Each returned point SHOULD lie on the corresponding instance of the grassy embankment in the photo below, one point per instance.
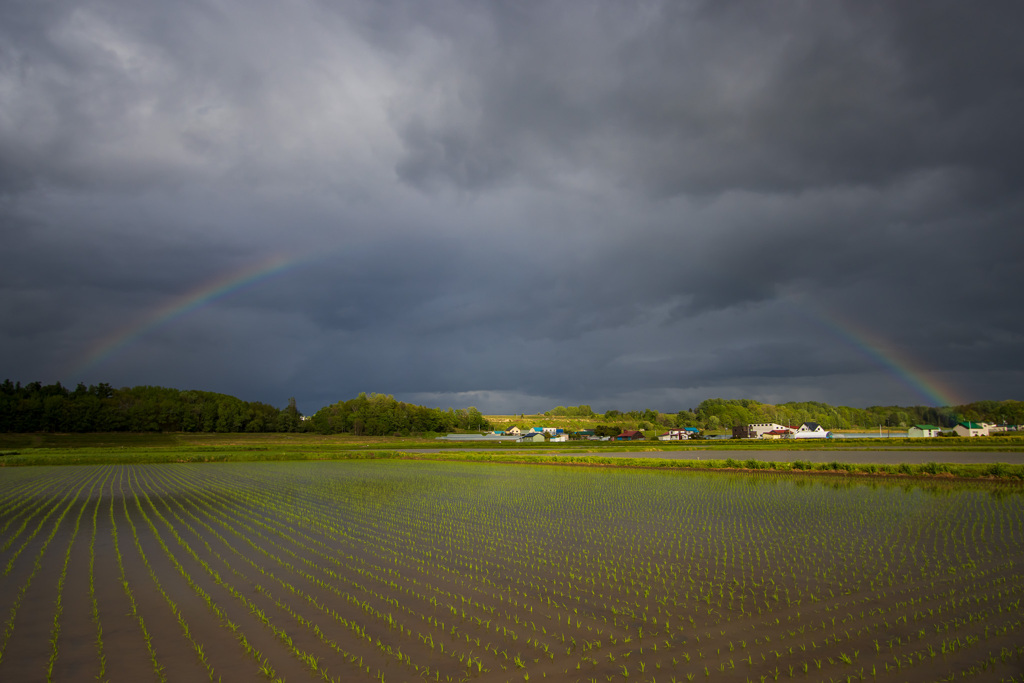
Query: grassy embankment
(76, 449)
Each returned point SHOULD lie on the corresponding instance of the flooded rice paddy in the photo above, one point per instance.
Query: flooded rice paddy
(409, 571)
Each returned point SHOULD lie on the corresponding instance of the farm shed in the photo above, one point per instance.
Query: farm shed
(970, 429)
(630, 435)
(922, 431)
(532, 436)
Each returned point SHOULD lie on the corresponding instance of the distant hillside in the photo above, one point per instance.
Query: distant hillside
(717, 413)
(722, 413)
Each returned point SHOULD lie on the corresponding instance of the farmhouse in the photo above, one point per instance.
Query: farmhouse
(922, 431)
(756, 431)
(532, 436)
(993, 428)
(630, 435)
(810, 430)
(970, 429)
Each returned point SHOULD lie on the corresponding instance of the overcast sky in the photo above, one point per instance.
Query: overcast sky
(515, 205)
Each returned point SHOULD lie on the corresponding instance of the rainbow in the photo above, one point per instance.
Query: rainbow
(888, 358)
(179, 306)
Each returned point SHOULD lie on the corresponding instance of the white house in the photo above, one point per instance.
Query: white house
(810, 430)
(514, 431)
(674, 435)
(970, 429)
(922, 431)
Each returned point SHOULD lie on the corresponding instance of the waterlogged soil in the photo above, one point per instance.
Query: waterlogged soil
(874, 456)
(404, 570)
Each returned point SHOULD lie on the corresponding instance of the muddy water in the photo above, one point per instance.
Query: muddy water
(403, 570)
(878, 457)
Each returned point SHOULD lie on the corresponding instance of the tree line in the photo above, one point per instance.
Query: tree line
(718, 413)
(382, 415)
(101, 408)
(723, 414)
(36, 407)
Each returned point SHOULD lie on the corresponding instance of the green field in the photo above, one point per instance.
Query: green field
(397, 570)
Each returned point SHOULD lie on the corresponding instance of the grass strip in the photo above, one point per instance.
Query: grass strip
(977, 471)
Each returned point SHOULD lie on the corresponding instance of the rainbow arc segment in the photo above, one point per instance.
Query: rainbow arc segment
(181, 305)
(895, 363)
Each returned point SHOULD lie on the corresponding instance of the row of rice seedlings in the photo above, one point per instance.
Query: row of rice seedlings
(263, 665)
(281, 634)
(26, 498)
(349, 657)
(303, 621)
(182, 623)
(56, 505)
(94, 602)
(993, 660)
(511, 600)
(883, 614)
(463, 615)
(59, 601)
(364, 570)
(464, 659)
(158, 668)
(924, 609)
(38, 564)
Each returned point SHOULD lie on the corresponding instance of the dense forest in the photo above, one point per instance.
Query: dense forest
(380, 415)
(101, 408)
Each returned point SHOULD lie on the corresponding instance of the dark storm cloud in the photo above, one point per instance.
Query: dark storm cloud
(679, 98)
(514, 205)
